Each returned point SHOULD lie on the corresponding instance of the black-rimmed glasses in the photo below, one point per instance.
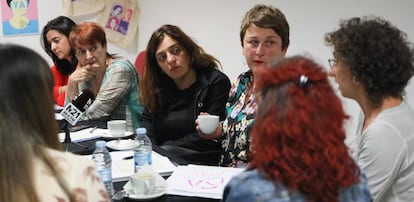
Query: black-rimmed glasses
(332, 62)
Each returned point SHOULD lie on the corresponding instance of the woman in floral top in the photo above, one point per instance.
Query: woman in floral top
(241, 108)
(264, 37)
(33, 165)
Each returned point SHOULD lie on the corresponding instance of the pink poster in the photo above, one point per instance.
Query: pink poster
(19, 17)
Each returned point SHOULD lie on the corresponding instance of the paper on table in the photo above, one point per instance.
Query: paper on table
(200, 181)
(122, 168)
(82, 135)
(58, 116)
(162, 165)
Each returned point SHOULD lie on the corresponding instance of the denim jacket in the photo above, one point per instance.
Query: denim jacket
(252, 186)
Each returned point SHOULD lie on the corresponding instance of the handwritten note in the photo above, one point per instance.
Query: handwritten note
(201, 181)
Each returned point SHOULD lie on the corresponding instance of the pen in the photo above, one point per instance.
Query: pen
(93, 129)
(128, 157)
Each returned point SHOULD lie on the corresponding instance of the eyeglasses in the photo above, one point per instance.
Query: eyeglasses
(332, 62)
(82, 52)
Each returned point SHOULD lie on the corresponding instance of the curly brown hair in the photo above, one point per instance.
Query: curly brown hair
(377, 53)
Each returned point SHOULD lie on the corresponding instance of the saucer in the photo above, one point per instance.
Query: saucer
(159, 190)
(122, 144)
(107, 135)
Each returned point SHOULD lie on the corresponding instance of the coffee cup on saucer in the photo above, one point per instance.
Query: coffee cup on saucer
(143, 181)
(116, 128)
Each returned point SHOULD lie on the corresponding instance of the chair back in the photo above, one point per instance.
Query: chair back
(140, 62)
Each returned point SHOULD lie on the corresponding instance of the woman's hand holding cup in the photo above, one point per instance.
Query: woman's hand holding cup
(208, 126)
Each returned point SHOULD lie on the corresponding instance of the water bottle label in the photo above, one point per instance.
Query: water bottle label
(105, 174)
(141, 159)
(149, 159)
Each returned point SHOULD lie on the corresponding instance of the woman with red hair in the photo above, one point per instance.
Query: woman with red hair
(297, 141)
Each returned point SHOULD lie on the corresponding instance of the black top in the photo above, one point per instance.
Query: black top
(175, 125)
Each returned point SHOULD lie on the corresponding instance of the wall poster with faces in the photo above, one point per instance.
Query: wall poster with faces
(120, 21)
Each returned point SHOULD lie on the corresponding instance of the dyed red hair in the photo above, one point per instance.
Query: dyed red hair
(87, 34)
(298, 136)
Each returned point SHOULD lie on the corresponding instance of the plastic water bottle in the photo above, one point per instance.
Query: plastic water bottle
(103, 162)
(142, 153)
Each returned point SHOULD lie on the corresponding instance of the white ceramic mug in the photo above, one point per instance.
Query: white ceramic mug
(116, 128)
(143, 183)
(208, 123)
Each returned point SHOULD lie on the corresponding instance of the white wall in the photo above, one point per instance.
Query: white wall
(214, 24)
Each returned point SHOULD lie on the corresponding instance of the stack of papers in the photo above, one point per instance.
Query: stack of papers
(123, 165)
(200, 181)
(82, 135)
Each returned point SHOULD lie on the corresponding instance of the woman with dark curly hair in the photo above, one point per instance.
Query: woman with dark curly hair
(373, 62)
(297, 142)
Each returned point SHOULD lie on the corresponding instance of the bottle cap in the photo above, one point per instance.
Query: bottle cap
(100, 143)
(141, 131)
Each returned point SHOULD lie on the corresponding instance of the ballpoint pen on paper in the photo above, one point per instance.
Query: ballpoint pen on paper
(128, 157)
(93, 129)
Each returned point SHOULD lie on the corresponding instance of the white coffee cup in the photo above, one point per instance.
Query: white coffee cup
(143, 183)
(116, 128)
(208, 123)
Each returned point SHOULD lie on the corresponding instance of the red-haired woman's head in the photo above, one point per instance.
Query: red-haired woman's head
(87, 34)
(89, 42)
(298, 136)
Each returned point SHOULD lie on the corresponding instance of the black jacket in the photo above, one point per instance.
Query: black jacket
(175, 126)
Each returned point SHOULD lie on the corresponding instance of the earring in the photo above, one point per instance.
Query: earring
(354, 80)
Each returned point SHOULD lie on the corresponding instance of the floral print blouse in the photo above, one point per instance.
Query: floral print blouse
(241, 108)
(79, 174)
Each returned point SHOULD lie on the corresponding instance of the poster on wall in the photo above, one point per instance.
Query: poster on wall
(19, 17)
(120, 21)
